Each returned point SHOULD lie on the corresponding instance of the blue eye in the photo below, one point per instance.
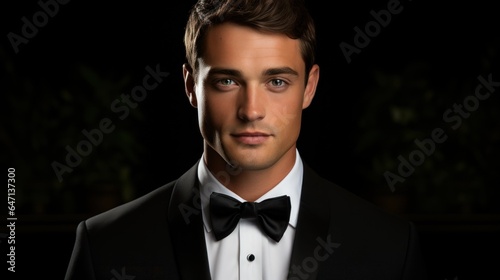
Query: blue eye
(277, 82)
(226, 82)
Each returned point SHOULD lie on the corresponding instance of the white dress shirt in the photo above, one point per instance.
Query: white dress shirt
(248, 253)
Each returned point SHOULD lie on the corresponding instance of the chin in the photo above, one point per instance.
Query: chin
(247, 163)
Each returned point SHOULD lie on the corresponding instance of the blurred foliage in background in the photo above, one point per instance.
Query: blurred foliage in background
(461, 174)
(48, 115)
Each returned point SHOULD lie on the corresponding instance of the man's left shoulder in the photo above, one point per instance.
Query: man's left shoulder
(344, 204)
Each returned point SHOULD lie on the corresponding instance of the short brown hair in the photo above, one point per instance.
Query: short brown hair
(289, 17)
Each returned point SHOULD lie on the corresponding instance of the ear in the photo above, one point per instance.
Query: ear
(189, 84)
(312, 83)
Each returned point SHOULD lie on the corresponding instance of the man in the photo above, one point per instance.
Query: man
(250, 72)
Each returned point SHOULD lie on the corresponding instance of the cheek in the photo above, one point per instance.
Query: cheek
(213, 113)
(287, 116)
(217, 110)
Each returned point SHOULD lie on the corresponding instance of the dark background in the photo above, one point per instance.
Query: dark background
(365, 115)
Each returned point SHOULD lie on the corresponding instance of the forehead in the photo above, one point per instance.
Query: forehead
(234, 46)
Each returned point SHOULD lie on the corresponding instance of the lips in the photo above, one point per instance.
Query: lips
(251, 138)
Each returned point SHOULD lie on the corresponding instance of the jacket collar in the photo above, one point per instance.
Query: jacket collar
(186, 227)
(312, 227)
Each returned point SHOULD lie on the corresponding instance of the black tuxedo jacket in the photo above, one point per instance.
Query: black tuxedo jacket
(161, 236)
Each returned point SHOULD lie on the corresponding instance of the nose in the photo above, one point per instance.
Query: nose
(251, 105)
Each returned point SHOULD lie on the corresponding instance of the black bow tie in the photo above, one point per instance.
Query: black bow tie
(273, 214)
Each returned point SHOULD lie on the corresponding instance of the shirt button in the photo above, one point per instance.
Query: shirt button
(251, 258)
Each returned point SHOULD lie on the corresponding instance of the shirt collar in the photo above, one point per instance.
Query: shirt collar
(291, 185)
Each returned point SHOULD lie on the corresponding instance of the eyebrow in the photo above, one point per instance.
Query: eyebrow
(267, 72)
(280, 70)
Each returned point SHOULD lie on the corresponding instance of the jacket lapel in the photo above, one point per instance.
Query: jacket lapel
(312, 227)
(186, 227)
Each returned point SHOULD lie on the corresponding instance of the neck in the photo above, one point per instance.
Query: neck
(249, 184)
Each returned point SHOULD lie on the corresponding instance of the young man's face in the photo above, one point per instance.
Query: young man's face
(250, 92)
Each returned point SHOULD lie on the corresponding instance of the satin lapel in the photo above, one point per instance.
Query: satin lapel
(186, 227)
(312, 227)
